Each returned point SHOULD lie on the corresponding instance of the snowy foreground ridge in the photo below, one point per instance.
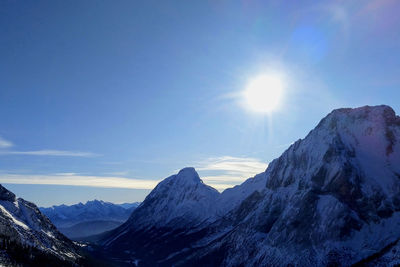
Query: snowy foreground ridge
(332, 198)
(27, 234)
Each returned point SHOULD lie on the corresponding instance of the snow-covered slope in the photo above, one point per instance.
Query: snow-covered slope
(232, 197)
(23, 225)
(178, 201)
(177, 204)
(331, 198)
(182, 198)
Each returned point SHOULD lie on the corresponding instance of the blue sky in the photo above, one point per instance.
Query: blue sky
(102, 99)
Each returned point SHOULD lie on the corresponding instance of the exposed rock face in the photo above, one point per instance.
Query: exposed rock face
(23, 224)
(330, 199)
(6, 195)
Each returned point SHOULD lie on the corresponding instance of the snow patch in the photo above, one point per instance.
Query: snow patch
(17, 222)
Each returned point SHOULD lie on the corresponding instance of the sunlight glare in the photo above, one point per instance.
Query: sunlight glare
(264, 93)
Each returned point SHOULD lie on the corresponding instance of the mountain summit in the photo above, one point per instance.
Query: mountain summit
(178, 201)
(332, 198)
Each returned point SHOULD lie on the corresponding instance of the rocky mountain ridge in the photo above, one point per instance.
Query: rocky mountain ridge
(330, 199)
(24, 228)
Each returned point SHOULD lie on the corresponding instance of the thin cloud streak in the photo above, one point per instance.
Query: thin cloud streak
(4, 143)
(230, 171)
(78, 180)
(69, 179)
(57, 153)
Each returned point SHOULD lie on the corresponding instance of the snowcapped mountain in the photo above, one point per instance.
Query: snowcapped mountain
(178, 203)
(26, 236)
(181, 198)
(94, 217)
(332, 198)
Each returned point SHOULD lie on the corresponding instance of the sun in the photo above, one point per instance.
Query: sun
(263, 93)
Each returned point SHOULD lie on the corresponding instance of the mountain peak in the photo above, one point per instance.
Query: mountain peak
(188, 170)
(372, 130)
(379, 115)
(360, 140)
(181, 199)
(187, 179)
(188, 174)
(366, 109)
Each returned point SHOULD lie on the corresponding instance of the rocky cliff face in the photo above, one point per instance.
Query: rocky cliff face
(24, 226)
(331, 198)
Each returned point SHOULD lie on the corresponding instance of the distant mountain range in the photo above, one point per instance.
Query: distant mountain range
(81, 220)
(331, 199)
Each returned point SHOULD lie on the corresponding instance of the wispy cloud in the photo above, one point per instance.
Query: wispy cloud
(57, 153)
(227, 171)
(4, 143)
(72, 179)
(5, 150)
(221, 173)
